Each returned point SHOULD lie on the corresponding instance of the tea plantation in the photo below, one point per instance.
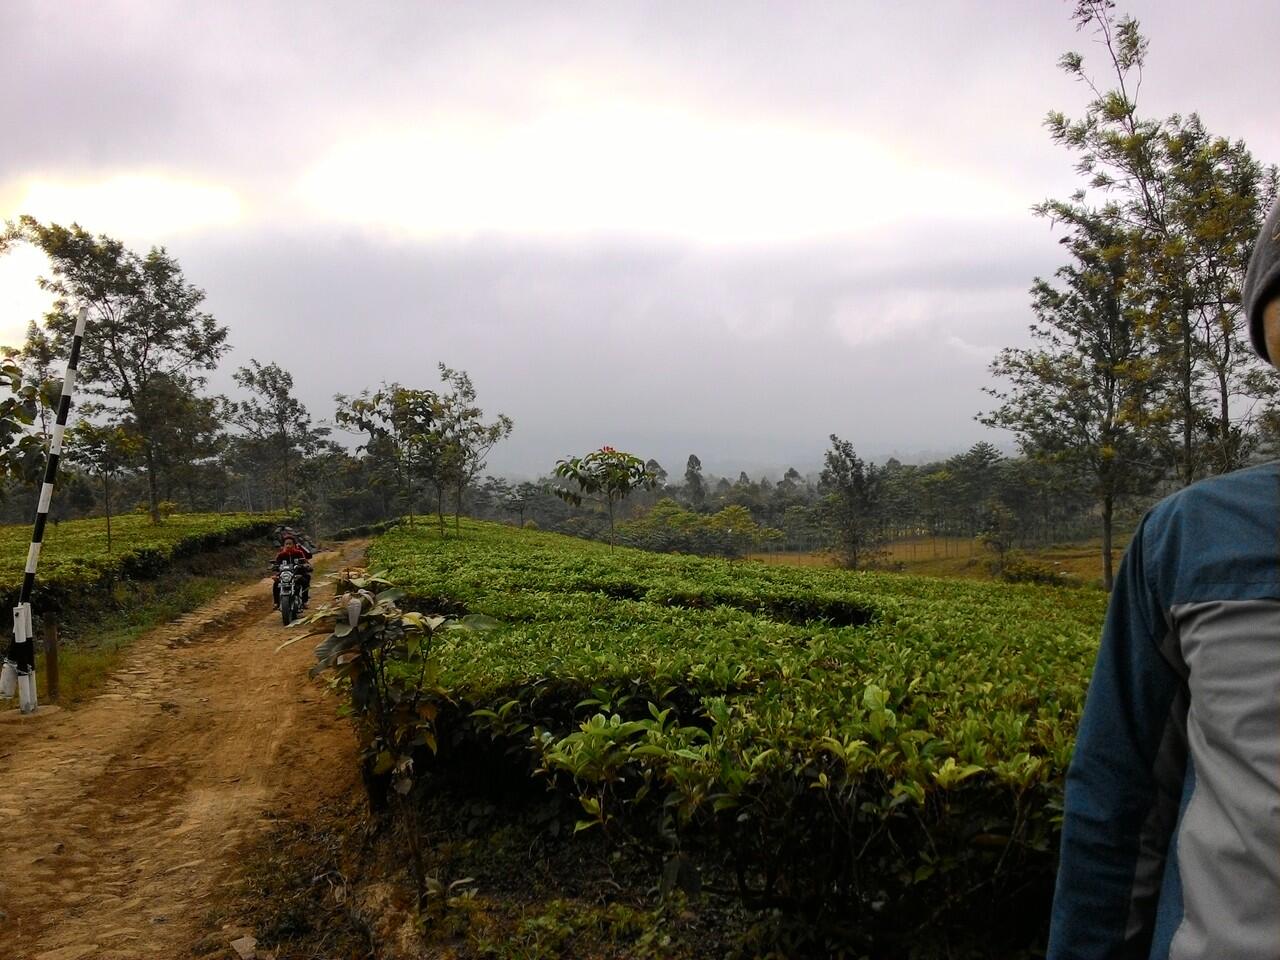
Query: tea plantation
(75, 563)
(878, 758)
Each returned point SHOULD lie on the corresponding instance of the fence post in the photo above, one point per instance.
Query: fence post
(51, 657)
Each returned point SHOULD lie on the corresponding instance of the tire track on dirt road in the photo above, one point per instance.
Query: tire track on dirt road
(121, 819)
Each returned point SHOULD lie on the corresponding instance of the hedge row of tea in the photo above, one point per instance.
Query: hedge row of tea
(76, 568)
(878, 754)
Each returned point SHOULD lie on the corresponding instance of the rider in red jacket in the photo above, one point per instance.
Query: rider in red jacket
(290, 550)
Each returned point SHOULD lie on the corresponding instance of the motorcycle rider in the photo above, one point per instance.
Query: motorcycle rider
(300, 539)
(292, 550)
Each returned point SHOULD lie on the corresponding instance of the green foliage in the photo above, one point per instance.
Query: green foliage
(102, 450)
(669, 528)
(146, 343)
(465, 437)
(401, 424)
(1085, 394)
(75, 561)
(1019, 568)
(364, 530)
(606, 476)
(695, 488)
(1185, 206)
(385, 665)
(21, 450)
(278, 433)
(423, 438)
(854, 493)
(880, 754)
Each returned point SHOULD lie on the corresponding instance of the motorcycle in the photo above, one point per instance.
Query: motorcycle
(291, 580)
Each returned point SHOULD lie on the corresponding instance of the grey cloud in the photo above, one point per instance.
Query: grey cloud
(254, 90)
(650, 348)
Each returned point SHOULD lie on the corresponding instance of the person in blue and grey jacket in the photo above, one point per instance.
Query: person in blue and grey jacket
(1171, 830)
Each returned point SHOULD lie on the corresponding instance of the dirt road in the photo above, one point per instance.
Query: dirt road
(120, 820)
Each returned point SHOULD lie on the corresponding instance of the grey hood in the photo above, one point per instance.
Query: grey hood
(1263, 279)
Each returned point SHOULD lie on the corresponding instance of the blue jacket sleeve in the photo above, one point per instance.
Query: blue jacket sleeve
(1124, 781)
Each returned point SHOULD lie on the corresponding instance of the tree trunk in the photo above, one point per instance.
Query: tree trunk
(1188, 402)
(1108, 507)
(409, 823)
(153, 484)
(285, 478)
(440, 507)
(106, 500)
(1227, 462)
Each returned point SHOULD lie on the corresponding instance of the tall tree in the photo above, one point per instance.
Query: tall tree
(187, 439)
(523, 496)
(276, 420)
(463, 441)
(39, 360)
(103, 450)
(605, 476)
(695, 488)
(146, 331)
(655, 468)
(1219, 196)
(399, 422)
(853, 497)
(1085, 395)
(340, 490)
(1189, 205)
(973, 475)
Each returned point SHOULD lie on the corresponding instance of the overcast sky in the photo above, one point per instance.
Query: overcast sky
(722, 228)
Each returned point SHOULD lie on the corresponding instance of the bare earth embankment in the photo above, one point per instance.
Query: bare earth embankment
(121, 820)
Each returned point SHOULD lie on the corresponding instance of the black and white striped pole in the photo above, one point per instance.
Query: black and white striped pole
(19, 670)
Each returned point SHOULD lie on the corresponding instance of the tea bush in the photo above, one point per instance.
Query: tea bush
(364, 530)
(76, 570)
(1019, 568)
(876, 757)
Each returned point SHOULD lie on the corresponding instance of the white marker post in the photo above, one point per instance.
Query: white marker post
(19, 670)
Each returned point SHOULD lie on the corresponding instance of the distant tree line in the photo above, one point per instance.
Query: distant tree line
(850, 506)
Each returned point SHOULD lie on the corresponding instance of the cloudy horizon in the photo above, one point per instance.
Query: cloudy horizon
(725, 230)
